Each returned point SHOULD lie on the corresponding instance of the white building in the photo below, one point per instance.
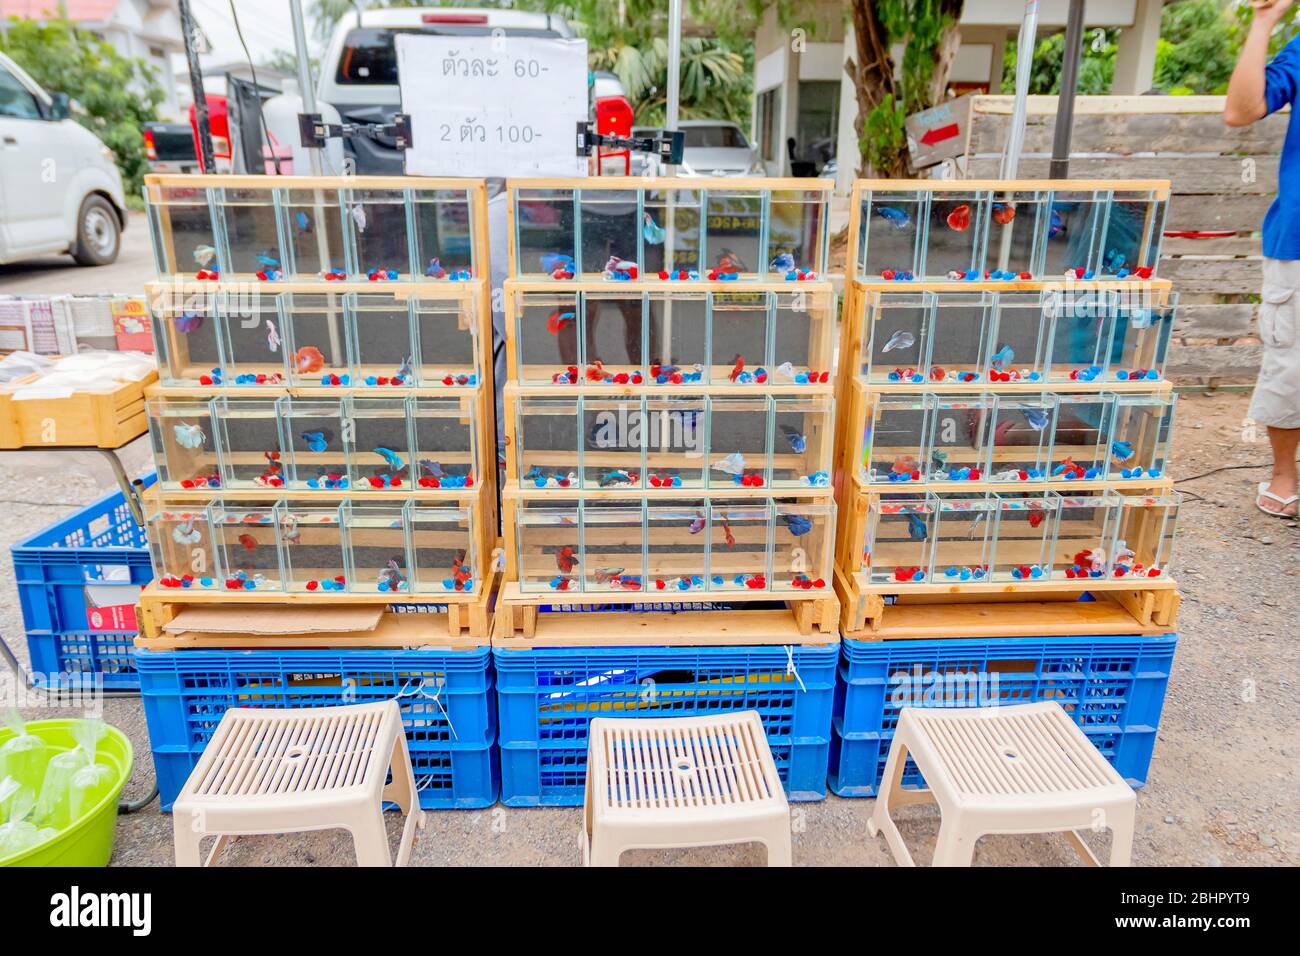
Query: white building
(149, 30)
(801, 90)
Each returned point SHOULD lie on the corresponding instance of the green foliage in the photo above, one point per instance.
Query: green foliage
(116, 94)
(1096, 66)
(715, 82)
(918, 25)
(884, 137)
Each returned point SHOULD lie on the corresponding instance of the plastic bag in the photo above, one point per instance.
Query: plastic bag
(55, 806)
(23, 755)
(19, 834)
(94, 780)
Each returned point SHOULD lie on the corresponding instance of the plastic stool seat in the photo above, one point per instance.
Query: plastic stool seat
(1027, 768)
(682, 782)
(294, 770)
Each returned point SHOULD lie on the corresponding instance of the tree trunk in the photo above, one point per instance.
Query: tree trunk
(871, 69)
(944, 56)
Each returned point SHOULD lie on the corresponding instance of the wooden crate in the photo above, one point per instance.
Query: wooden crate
(107, 417)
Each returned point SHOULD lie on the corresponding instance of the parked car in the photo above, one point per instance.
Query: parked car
(60, 190)
(359, 69)
(712, 148)
(169, 147)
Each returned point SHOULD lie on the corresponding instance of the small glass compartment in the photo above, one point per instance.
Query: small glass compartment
(250, 443)
(675, 440)
(253, 341)
(442, 543)
(317, 349)
(963, 537)
(613, 547)
(545, 232)
(608, 223)
(251, 232)
(1074, 228)
(442, 225)
(1144, 536)
(677, 547)
(1018, 350)
(677, 327)
(183, 226)
(960, 340)
(1081, 439)
(893, 237)
(614, 337)
(247, 537)
(734, 231)
(1130, 240)
(1022, 536)
(382, 343)
(740, 545)
(613, 443)
(380, 454)
(547, 446)
(1017, 236)
(187, 335)
(378, 557)
(313, 539)
(802, 334)
(740, 450)
(445, 452)
(900, 531)
(447, 330)
(739, 338)
(184, 439)
(548, 339)
(315, 434)
(803, 535)
(796, 232)
(961, 438)
(1139, 436)
(803, 441)
(672, 231)
(1022, 437)
(315, 240)
(1143, 327)
(548, 546)
(1082, 539)
(379, 240)
(182, 544)
(958, 226)
(1083, 329)
(897, 336)
(896, 439)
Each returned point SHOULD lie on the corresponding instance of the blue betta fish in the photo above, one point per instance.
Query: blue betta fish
(270, 262)
(392, 458)
(1002, 357)
(1121, 451)
(799, 525)
(916, 527)
(652, 231)
(798, 443)
(782, 263)
(556, 261)
(1037, 418)
(302, 221)
(894, 216)
(1055, 225)
(318, 440)
(697, 523)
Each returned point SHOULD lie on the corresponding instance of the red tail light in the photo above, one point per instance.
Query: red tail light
(614, 116)
(150, 148)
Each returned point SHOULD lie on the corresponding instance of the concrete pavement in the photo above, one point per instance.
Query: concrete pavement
(55, 275)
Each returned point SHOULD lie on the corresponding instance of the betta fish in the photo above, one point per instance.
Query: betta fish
(205, 255)
(652, 231)
(901, 339)
(556, 262)
(1002, 357)
(302, 221)
(1037, 418)
(904, 464)
(565, 559)
(292, 533)
(785, 370)
(531, 474)
(733, 464)
(798, 443)
(558, 320)
(404, 369)
(726, 533)
(1115, 261)
(782, 263)
(737, 368)
(308, 359)
(432, 469)
(1003, 213)
(359, 217)
(318, 440)
(1055, 225)
(188, 322)
(248, 541)
(434, 269)
(728, 261)
(1121, 451)
(894, 216)
(272, 336)
(799, 525)
(615, 477)
(959, 218)
(186, 533)
(939, 460)
(266, 261)
(606, 575)
(615, 264)
(697, 523)
(916, 529)
(391, 458)
(1036, 518)
(189, 436)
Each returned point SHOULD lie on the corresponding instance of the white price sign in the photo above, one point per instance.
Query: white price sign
(493, 105)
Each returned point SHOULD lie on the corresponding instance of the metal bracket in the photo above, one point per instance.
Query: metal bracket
(313, 131)
(666, 146)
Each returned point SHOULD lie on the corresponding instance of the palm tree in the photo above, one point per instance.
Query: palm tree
(714, 81)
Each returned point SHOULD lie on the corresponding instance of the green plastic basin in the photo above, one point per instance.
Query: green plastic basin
(89, 840)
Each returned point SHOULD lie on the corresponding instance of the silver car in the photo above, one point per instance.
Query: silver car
(714, 148)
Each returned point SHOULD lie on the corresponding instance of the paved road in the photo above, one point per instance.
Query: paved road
(52, 275)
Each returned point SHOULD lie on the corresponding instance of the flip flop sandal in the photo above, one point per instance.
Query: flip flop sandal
(1277, 499)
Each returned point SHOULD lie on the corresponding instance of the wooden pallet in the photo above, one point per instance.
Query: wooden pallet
(875, 612)
(466, 620)
(520, 624)
(107, 417)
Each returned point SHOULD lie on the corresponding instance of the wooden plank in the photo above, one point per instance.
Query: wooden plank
(1045, 104)
(1232, 246)
(1214, 175)
(674, 183)
(1230, 321)
(1213, 361)
(663, 629)
(1125, 134)
(1219, 276)
(1238, 213)
(393, 630)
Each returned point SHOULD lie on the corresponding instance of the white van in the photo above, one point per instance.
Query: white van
(60, 190)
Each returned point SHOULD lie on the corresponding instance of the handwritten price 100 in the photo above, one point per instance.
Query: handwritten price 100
(479, 133)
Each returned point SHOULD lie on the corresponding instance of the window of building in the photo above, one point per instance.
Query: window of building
(768, 107)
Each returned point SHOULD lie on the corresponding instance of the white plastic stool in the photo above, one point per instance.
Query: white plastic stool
(1021, 769)
(682, 782)
(290, 771)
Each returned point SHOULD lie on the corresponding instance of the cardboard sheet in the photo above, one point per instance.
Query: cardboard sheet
(296, 619)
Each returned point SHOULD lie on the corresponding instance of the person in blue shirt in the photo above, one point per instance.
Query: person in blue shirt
(1258, 88)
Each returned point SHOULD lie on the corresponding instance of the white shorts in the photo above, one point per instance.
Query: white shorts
(1276, 402)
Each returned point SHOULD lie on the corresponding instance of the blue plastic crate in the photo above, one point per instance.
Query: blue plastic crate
(100, 545)
(547, 697)
(447, 701)
(1113, 687)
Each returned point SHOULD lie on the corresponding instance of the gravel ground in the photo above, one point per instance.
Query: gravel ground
(1221, 790)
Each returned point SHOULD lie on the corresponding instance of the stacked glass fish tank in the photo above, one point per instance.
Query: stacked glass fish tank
(670, 406)
(324, 418)
(1010, 416)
